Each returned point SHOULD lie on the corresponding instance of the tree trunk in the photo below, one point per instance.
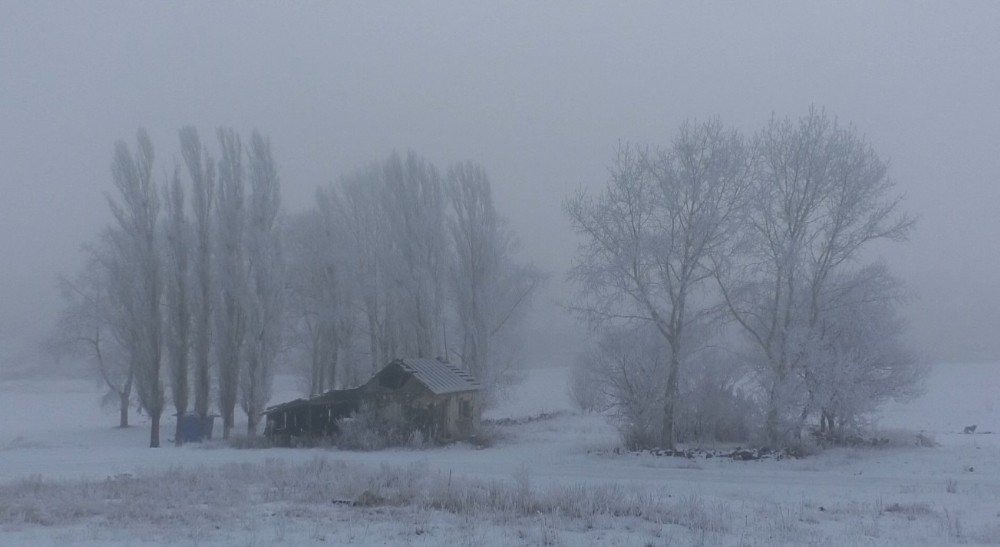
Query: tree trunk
(250, 394)
(771, 420)
(202, 374)
(154, 431)
(178, 440)
(771, 425)
(123, 402)
(316, 380)
(227, 422)
(202, 386)
(803, 418)
(377, 357)
(668, 436)
(330, 375)
(826, 422)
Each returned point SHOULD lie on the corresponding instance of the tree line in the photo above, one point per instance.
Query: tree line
(203, 297)
(728, 276)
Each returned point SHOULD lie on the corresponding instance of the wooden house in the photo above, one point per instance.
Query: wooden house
(436, 397)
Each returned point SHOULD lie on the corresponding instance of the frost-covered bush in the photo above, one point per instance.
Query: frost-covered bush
(488, 434)
(626, 374)
(717, 402)
(866, 361)
(377, 427)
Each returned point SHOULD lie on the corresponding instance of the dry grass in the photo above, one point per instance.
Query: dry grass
(214, 496)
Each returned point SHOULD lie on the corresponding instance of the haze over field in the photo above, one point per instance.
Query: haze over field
(901, 495)
(441, 273)
(539, 94)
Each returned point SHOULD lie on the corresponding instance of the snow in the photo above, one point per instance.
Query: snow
(958, 395)
(56, 433)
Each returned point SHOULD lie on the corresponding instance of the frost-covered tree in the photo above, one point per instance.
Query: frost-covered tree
(821, 195)
(136, 211)
(394, 218)
(415, 252)
(491, 290)
(629, 365)
(201, 171)
(860, 359)
(265, 279)
(623, 371)
(650, 239)
(230, 309)
(178, 251)
(92, 324)
(321, 285)
(374, 264)
(366, 227)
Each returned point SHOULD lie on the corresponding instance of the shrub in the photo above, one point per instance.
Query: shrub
(639, 435)
(488, 434)
(910, 510)
(802, 448)
(714, 404)
(375, 428)
(626, 373)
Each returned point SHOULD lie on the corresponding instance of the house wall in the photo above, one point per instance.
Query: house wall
(439, 416)
(443, 418)
(465, 415)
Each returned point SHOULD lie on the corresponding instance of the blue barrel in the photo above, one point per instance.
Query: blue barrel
(193, 429)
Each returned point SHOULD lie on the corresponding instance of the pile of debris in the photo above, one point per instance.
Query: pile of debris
(504, 422)
(737, 454)
(829, 438)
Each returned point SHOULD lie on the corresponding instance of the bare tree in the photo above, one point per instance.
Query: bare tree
(491, 291)
(322, 289)
(178, 239)
(821, 195)
(373, 260)
(231, 276)
(650, 237)
(366, 227)
(394, 216)
(265, 275)
(91, 325)
(136, 213)
(310, 300)
(414, 208)
(628, 364)
(201, 170)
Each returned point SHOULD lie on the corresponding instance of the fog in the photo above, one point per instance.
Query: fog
(538, 93)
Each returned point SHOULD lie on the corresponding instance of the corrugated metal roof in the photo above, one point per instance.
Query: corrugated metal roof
(343, 396)
(439, 377)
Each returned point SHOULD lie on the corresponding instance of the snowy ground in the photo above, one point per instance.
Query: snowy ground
(66, 476)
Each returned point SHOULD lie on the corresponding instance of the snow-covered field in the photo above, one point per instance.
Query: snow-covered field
(68, 476)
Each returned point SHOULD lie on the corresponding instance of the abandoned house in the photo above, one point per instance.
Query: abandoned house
(434, 396)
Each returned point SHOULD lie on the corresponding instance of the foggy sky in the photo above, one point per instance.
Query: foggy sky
(538, 93)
